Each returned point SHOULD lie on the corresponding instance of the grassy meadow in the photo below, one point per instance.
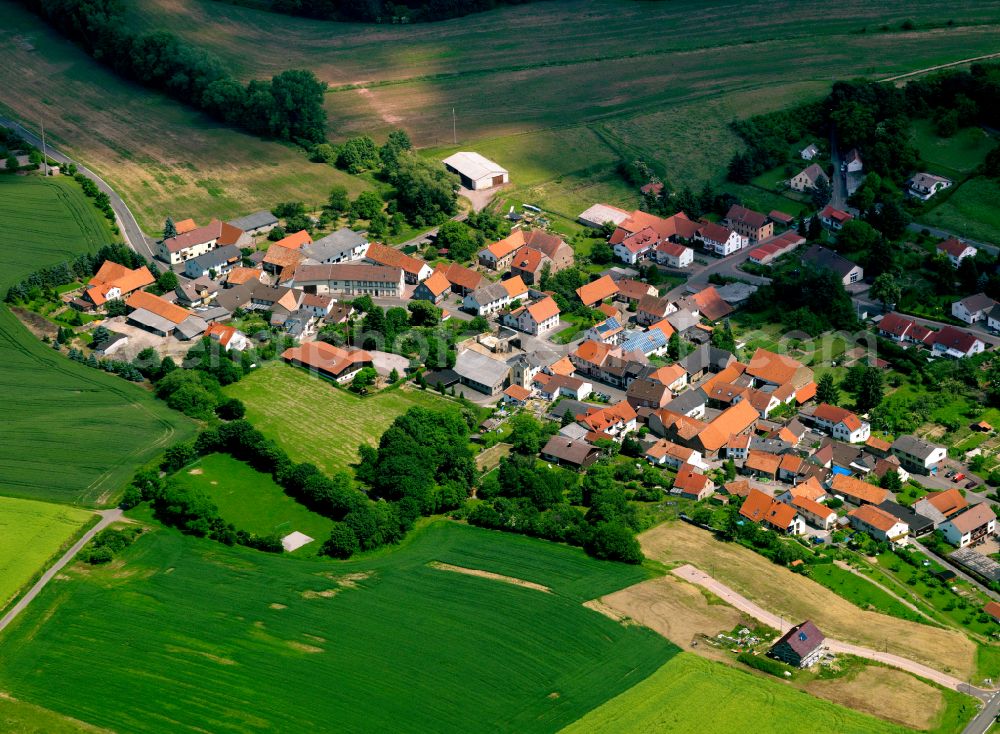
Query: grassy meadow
(956, 156)
(689, 695)
(252, 501)
(317, 422)
(26, 718)
(231, 640)
(971, 211)
(30, 534)
(70, 433)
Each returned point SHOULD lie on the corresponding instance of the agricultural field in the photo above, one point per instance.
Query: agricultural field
(252, 501)
(689, 695)
(317, 422)
(164, 159)
(26, 718)
(279, 643)
(970, 211)
(70, 433)
(30, 534)
(795, 597)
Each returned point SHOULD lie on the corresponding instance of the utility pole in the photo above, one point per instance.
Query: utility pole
(454, 128)
(45, 161)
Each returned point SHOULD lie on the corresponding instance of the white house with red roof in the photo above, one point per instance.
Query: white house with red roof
(833, 218)
(673, 254)
(720, 240)
(537, 318)
(228, 337)
(956, 343)
(956, 250)
(637, 246)
(841, 423)
(900, 328)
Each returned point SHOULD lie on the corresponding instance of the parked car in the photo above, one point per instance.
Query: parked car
(950, 474)
(958, 477)
(971, 485)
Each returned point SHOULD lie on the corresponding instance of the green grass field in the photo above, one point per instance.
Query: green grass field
(252, 501)
(690, 695)
(31, 533)
(860, 592)
(26, 718)
(230, 640)
(954, 156)
(314, 421)
(970, 212)
(70, 433)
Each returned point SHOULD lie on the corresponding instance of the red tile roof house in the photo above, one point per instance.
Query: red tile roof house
(759, 507)
(113, 281)
(748, 223)
(720, 240)
(329, 361)
(637, 248)
(833, 218)
(801, 646)
(878, 523)
(956, 343)
(841, 423)
(633, 291)
(673, 254)
(692, 484)
(956, 250)
(902, 329)
(192, 243)
(596, 291)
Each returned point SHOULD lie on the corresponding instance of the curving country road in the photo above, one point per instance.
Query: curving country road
(107, 517)
(127, 223)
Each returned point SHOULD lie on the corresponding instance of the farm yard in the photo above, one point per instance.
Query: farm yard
(30, 534)
(280, 643)
(54, 407)
(560, 117)
(252, 501)
(317, 422)
(729, 701)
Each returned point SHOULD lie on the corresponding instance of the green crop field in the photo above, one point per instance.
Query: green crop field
(70, 433)
(317, 422)
(252, 501)
(689, 695)
(31, 533)
(231, 640)
(971, 211)
(26, 718)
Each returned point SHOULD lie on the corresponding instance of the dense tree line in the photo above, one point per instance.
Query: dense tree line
(526, 497)
(387, 11)
(288, 107)
(768, 138)
(806, 299)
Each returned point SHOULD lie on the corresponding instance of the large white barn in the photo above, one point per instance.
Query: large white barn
(476, 171)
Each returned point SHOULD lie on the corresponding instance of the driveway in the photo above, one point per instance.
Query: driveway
(695, 576)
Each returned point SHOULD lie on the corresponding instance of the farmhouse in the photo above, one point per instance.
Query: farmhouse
(463, 280)
(924, 185)
(824, 258)
(708, 304)
(487, 299)
(972, 309)
(809, 178)
(673, 255)
(229, 337)
(970, 527)
(343, 245)
(878, 523)
(761, 508)
(956, 250)
(295, 240)
(475, 171)
(668, 453)
(692, 484)
(834, 219)
(113, 281)
(337, 363)
(414, 269)
(352, 279)
(800, 647)
(281, 261)
(257, 223)
(748, 223)
(956, 343)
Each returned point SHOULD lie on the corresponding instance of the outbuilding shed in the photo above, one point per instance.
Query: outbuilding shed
(476, 171)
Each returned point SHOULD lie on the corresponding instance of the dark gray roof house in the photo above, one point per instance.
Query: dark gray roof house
(562, 450)
(220, 259)
(706, 358)
(801, 646)
(688, 401)
(823, 257)
(340, 246)
(919, 524)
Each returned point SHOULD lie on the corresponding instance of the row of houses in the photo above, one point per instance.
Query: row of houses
(949, 341)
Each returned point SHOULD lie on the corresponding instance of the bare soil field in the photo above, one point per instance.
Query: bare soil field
(796, 598)
(889, 694)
